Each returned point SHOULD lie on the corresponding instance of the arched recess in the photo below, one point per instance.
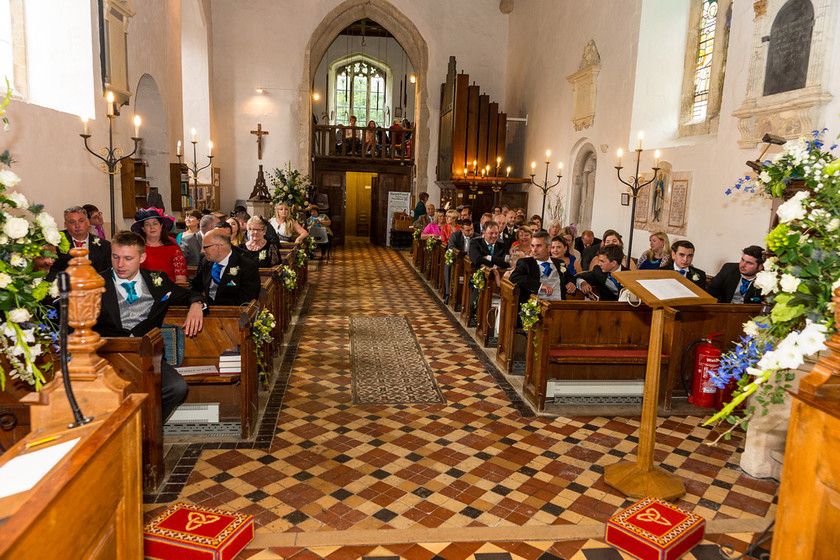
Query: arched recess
(412, 42)
(148, 103)
(583, 187)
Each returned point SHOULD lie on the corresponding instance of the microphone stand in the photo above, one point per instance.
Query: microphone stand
(64, 296)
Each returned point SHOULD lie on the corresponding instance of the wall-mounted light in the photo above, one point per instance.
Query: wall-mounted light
(316, 96)
(260, 90)
(413, 79)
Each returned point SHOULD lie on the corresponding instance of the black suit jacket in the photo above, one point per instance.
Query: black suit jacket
(507, 237)
(691, 274)
(597, 278)
(587, 255)
(235, 289)
(168, 293)
(725, 282)
(579, 244)
(99, 255)
(527, 276)
(480, 254)
(458, 241)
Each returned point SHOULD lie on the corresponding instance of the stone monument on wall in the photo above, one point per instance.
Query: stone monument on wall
(584, 87)
(789, 70)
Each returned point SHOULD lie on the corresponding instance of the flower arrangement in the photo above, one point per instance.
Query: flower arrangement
(290, 186)
(477, 280)
(289, 278)
(312, 244)
(430, 244)
(799, 280)
(264, 323)
(529, 312)
(416, 233)
(302, 257)
(449, 257)
(26, 328)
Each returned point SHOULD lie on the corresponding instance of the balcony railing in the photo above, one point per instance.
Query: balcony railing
(363, 143)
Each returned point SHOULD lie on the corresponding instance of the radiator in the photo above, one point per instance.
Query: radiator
(195, 413)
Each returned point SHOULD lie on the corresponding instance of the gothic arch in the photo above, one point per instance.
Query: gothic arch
(583, 187)
(148, 103)
(408, 36)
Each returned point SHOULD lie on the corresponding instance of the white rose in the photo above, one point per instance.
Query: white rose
(812, 338)
(46, 221)
(765, 177)
(766, 282)
(18, 315)
(52, 236)
(4, 239)
(16, 228)
(834, 224)
(789, 283)
(750, 328)
(793, 208)
(54, 293)
(17, 261)
(8, 178)
(19, 200)
(5, 280)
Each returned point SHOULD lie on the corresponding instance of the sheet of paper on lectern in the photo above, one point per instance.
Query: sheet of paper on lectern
(667, 288)
(24, 471)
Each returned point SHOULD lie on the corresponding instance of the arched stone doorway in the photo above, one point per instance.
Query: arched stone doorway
(583, 187)
(409, 37)
(154, 148)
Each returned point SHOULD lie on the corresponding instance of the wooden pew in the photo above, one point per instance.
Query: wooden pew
(484, 323)
(456, 281)
(702, 321)
(466, 290)
(441, 279)
(137, 360)
(225, 327)
(272, 298)
(594, 341)
(434, 270)
(509, 312)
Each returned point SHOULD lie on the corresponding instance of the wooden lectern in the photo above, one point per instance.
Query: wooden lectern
(657, 289)
(89, 504)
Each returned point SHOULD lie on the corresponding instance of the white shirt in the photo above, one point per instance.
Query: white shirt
(224, 262)
(139, 284)
(84, 244)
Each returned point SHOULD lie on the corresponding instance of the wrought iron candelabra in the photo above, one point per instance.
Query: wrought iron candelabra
(193, 169)
(635, 187)
(545, 186)
(110, 155)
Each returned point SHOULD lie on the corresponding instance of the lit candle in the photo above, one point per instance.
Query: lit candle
(498, 161)
(85, 124)
(475, 166)
(533, 167)
(656, 155)
(560, 168)
(137, 126)
(641, 136)
(620, 153)
(193, 135)
(465, 172)
(210, 149)
(508, 171)
(178, 149)
(109, 98)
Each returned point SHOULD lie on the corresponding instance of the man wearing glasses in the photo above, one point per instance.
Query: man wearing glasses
(225, 276)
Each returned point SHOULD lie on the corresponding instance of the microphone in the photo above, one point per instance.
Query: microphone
(64, 298)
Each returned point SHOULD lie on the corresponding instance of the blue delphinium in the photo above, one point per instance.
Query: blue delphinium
(734, 363)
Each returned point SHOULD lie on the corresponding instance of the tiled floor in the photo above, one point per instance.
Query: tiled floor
(479, 461)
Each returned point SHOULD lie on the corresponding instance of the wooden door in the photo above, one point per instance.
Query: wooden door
(333, 184)
(386, 182)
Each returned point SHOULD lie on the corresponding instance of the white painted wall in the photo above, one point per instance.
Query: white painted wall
(261, 43)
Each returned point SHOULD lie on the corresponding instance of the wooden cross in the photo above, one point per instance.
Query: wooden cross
(259, 132)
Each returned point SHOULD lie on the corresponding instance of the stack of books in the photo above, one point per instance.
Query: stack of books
(230, 362)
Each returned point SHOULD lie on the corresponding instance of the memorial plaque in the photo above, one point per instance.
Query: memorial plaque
(790, 48)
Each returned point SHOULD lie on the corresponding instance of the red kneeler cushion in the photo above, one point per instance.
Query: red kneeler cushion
(189, 532)
(654, 529)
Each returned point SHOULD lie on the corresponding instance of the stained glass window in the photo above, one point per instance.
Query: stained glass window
(703, 69)
(360, 91)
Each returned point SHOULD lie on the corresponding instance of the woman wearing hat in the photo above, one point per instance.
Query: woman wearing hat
(162, 252)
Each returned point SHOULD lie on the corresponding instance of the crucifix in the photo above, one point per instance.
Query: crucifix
(259, 132)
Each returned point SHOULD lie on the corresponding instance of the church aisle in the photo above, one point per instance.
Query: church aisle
(476, 463)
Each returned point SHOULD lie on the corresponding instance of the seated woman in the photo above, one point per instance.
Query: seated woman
(257, 247)
(554, 227)
(450, 227)
(537, 219)
(433, 229)
(237, 236)
(317, 219)
(162, 253)
(560, 250)
(287, 228)
(612, 237)
(659, 253)
(191, 220)
(569, 235)
(520, 248)
(371, 147)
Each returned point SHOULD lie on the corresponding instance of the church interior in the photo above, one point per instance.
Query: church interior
(638, 116)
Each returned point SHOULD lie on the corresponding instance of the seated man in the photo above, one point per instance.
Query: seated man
(135, 301)
(489, 251)
(508, 233)
(77, 231)
(682, 253)
(735, 283)
(586, 240)
(225, 276)
(608, 260)
(539, 274)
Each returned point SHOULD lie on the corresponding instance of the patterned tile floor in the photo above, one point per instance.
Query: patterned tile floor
(479, 461)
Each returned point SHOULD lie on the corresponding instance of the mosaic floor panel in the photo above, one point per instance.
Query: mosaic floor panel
(479, 461)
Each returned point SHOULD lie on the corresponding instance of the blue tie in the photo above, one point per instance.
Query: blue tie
(682, 272)
(491, 249)
(132, 294)
(216, 273)
(745, 285)
(546, 268)
(613, 280)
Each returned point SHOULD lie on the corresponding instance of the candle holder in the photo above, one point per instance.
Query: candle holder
(545, 186)
(635, 187)
(193, 169)
(475, 179)
(110, 157)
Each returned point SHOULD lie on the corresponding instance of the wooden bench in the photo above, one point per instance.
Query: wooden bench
(225, 327)
(485, 321)
(137, 360)
(466, 290)
(509, 311)
(434, 270)
(592, 341)
(272, 297)
(456, 280)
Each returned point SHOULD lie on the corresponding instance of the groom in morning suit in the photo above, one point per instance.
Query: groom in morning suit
(225, 276)
(135, 301)
(77, 231)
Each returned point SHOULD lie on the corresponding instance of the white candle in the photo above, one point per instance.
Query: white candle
(508, 171)
(210, 148)
(85, 125)
(620, 153)
(178, 149)
(656, 156)
(560, 168)
(109, 98)
(137, 126)
(641, 136)
(193, 135)
(533, 167)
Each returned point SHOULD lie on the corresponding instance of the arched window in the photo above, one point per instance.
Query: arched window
(359, 89)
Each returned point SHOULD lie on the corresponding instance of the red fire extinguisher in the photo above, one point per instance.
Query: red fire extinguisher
(706, 362)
